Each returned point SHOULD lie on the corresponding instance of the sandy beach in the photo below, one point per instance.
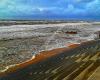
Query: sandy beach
(18, 43)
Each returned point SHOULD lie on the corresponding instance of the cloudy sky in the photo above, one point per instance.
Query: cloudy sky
(50, 9)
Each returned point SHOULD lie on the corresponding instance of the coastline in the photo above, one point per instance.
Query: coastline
(28, 68)
(37, 58)
(43, 55)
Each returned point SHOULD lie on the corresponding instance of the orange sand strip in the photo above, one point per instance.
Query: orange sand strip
(73, 45)
(39, 57)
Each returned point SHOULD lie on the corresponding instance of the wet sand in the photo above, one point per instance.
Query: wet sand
(27, 32)
(23, 70)
(36, 59)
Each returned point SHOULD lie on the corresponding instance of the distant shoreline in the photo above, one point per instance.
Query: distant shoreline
(33, 22)
(14, 31)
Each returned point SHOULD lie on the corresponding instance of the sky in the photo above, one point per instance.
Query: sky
(50, 9)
